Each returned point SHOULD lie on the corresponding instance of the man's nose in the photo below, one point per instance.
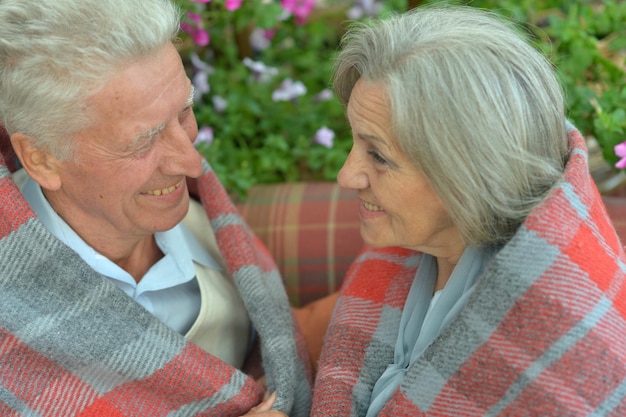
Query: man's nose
(182, 157)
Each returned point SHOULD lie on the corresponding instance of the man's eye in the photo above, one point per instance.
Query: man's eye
(144, 148)
(185, 113)
(186, 109)
(140, 153)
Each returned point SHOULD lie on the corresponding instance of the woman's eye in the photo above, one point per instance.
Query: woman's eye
(377, 158)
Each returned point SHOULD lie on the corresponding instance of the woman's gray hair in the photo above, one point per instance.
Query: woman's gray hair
(476, 108)
(54, 54)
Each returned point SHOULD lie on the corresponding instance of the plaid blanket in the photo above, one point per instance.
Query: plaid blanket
(544, 333)
(72, 344)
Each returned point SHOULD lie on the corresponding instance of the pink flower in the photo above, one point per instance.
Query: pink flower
(195, 17)
(620, 150)
(232, 5)
(324, 136)
(205, 135)
(200, 36)
(299, 8)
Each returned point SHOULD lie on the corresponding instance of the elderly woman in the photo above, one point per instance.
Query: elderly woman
(120, 295)
(492, 282)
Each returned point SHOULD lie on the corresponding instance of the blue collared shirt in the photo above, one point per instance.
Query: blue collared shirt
(168, 290)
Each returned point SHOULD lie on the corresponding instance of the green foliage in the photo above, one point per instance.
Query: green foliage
(590, 45)
(259, 140)
(586, 41)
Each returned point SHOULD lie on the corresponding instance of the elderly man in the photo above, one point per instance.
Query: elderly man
(119, 294)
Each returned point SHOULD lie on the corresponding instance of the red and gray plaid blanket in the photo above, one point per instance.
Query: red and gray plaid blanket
(72, 344)
(544, 333)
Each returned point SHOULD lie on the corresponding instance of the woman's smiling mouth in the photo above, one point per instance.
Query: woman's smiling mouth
(372, 207)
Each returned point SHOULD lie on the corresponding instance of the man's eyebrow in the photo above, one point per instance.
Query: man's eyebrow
(144, 135)
(192, 92)
(147, 134)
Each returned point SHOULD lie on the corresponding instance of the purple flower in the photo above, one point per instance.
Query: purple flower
(301, 9)
(200, 36)
(205, 135)
(200, 79)
(219, 104)
(620, 150)
(201, 85)
(260, 39)
(324, 136)
(232, 5)
(289, 90)
(364, 8)
(261, 72)
(324, 95)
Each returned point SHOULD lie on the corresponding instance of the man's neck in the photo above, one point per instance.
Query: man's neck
(140, 259)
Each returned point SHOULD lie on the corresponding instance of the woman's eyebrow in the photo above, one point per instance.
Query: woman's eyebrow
(373, 138)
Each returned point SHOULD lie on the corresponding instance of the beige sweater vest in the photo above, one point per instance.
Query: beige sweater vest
(222, 327)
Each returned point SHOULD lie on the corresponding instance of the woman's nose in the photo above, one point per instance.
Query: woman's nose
(352, 175)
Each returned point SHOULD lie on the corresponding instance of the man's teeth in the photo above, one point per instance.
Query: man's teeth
(372, 207)
(163, 191)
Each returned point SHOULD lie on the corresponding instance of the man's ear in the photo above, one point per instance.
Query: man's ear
(39, 162)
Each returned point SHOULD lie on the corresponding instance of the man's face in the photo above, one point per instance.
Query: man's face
(128, 178)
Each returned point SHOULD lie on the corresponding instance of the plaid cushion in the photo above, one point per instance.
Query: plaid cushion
(312, 231)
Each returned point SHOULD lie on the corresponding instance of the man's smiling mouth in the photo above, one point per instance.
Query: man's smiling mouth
(164, 190)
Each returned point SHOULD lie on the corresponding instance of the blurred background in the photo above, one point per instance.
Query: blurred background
(262, 73)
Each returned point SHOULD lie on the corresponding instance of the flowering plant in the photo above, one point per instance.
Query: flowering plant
(262, 68)
(261, 71)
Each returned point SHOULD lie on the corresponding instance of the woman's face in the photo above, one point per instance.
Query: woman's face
(398, 206)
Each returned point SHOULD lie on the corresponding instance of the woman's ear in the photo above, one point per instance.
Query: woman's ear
(38, 162)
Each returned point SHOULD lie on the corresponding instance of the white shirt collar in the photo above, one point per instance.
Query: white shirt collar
(179, 246)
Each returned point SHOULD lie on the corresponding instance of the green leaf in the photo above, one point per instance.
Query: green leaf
(266, 15)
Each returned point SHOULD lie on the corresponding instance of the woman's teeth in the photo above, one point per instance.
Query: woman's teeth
(372, 207)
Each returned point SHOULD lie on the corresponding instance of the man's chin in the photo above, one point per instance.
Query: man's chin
(170, 220)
